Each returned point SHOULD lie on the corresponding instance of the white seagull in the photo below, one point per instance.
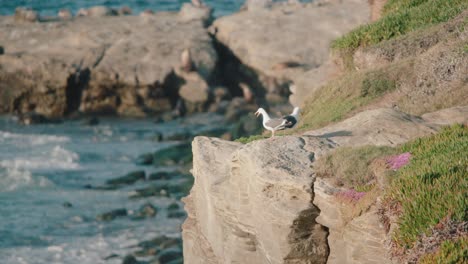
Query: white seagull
(274, 124)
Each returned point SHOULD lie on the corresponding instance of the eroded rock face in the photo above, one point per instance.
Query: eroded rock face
(122, 65)
(252, 204)
(285, 41)
(261, 202)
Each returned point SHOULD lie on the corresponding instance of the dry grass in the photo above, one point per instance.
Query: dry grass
(351, 167)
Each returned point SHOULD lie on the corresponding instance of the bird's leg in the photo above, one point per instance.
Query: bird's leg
(273, 134)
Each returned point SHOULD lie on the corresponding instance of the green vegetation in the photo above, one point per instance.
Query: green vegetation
(450, 252)
(434, 185)
(376, 84)
(350, 166)
(401, 17)
(246, 140)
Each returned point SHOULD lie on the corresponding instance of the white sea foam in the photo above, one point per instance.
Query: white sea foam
(32, 139)
(57, 158)
(12, 179)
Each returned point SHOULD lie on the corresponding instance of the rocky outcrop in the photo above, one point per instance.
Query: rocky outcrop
(251, 205)
(99, 64)
(283, 42)
(262, 203)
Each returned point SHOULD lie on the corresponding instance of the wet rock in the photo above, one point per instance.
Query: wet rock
(156, 245)
(125, 10)
(109, 216)
(67, 205)
(176, 261)
(144, 159)
(158, 136)
(176, 214)
(33, 118)
(214, 132)
(178, 154)
(64, 14)
(170, 254)
(178, 136)
(147, 210)
(173, 207)
(101, 11)
(111, 256)
(147, 12)
(91, 121)
(130, 259)
(160, 175)
(23, 14)
(153, 190)
(130, 178)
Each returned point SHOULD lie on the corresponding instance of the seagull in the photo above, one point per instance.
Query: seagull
(274, 124)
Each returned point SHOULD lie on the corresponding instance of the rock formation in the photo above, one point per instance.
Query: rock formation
(262, 202)
(287, 42)
(119, 65)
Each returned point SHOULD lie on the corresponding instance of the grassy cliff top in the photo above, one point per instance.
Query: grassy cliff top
(399, 18)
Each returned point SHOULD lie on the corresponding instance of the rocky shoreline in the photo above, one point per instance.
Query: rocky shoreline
(107, 62)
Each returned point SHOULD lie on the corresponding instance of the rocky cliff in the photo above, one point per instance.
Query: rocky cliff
(263, 203)
(124, 65)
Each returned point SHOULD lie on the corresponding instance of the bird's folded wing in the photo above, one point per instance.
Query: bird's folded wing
(275, 123)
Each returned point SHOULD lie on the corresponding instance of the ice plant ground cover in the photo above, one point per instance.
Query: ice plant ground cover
(432, 186)
(398, 161)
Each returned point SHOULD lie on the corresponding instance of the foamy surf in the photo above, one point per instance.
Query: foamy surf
(31, 139)
(12, 179)
(56, 158)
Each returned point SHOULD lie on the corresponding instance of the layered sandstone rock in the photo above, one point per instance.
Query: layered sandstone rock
(284, 42)
(104, 64)
(261, 202)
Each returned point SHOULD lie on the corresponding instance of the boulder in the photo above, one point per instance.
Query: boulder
(170, 254)
(130, 178)
(109, 216)
(280, 42)
(98, 64)
(125, 10)
(144, 159)
(162, 175)
(177, 154)
(64, 14)
(145, 211)
(195, 91)
(130, 259)
(26, 15)
(189, 12)
(101, 11)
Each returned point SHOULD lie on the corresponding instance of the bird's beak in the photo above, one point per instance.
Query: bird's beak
(257, 114)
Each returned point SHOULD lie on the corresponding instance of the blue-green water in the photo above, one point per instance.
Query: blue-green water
(51, 7)
(43, 166)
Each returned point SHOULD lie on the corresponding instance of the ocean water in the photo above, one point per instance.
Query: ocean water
(51, 7)
(44, 166)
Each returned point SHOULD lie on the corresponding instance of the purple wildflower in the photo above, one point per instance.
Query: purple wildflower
(398, 161)
(351, 195)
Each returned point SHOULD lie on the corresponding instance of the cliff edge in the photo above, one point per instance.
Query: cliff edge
(263, 203)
